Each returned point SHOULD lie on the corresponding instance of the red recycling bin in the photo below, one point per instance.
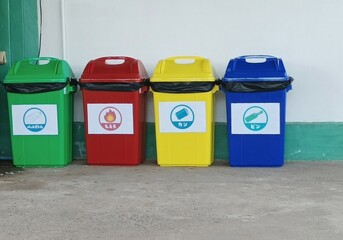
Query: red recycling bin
(114, 103)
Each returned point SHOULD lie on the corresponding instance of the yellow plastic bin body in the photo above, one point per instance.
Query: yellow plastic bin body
(183, 91)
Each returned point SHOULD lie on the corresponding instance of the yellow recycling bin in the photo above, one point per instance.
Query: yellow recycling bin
(183, 91)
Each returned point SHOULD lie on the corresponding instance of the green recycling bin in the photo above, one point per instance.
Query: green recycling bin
(40, 102)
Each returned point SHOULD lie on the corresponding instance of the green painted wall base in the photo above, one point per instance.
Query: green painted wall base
(304, 141)
(19, 39)
(314, 141)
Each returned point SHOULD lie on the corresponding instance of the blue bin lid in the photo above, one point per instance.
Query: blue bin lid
(255, 68)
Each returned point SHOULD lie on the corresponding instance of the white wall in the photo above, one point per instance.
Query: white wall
(306, 34)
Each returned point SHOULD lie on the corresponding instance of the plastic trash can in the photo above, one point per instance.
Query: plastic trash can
(40, 101)
(255, 89)
(114, 99)
(183, 91)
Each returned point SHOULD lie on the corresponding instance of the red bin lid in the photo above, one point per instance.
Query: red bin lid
(114, 69)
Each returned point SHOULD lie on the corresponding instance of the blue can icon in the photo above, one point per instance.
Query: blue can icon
(182, 113)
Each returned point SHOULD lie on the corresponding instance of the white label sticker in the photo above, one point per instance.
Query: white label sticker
(35, 119)
(255, 118)
(110, 118)
(182, 117)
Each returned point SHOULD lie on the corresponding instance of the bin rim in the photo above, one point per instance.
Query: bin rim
(256, 79)
(256, 86)
(40, 87)
(114, 86)
(183, 87)
(112, 80)
(175, 78)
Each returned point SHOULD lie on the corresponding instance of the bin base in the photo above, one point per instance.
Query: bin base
(183, 165)
(254, 165)
(40, 166)
(117, 164)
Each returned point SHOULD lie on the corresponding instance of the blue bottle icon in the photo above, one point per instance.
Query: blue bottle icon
(253, 116)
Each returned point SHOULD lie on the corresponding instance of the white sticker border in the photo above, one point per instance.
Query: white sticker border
(238, 127)
(50, 112)
(94, 126)
(198, 108)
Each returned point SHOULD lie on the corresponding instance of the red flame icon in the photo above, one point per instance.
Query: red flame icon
(110, 116)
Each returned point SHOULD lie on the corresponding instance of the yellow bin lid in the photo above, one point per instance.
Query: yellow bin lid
(183, 69)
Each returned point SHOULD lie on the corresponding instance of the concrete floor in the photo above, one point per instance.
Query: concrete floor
(302, 200)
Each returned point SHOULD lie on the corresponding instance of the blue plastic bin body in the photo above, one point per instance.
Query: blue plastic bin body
(254, 144)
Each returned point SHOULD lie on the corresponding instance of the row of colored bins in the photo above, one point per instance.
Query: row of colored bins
(114, 99)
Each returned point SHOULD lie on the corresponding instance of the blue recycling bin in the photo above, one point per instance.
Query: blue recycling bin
(255, 87)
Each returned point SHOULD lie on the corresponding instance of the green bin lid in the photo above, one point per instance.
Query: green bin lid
(39, 70)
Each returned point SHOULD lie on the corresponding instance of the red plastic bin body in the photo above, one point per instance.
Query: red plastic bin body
(115, 119)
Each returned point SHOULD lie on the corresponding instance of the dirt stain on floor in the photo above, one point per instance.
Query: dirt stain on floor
(7, 169)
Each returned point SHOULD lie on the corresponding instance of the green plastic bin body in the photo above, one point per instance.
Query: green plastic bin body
(40, 102)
